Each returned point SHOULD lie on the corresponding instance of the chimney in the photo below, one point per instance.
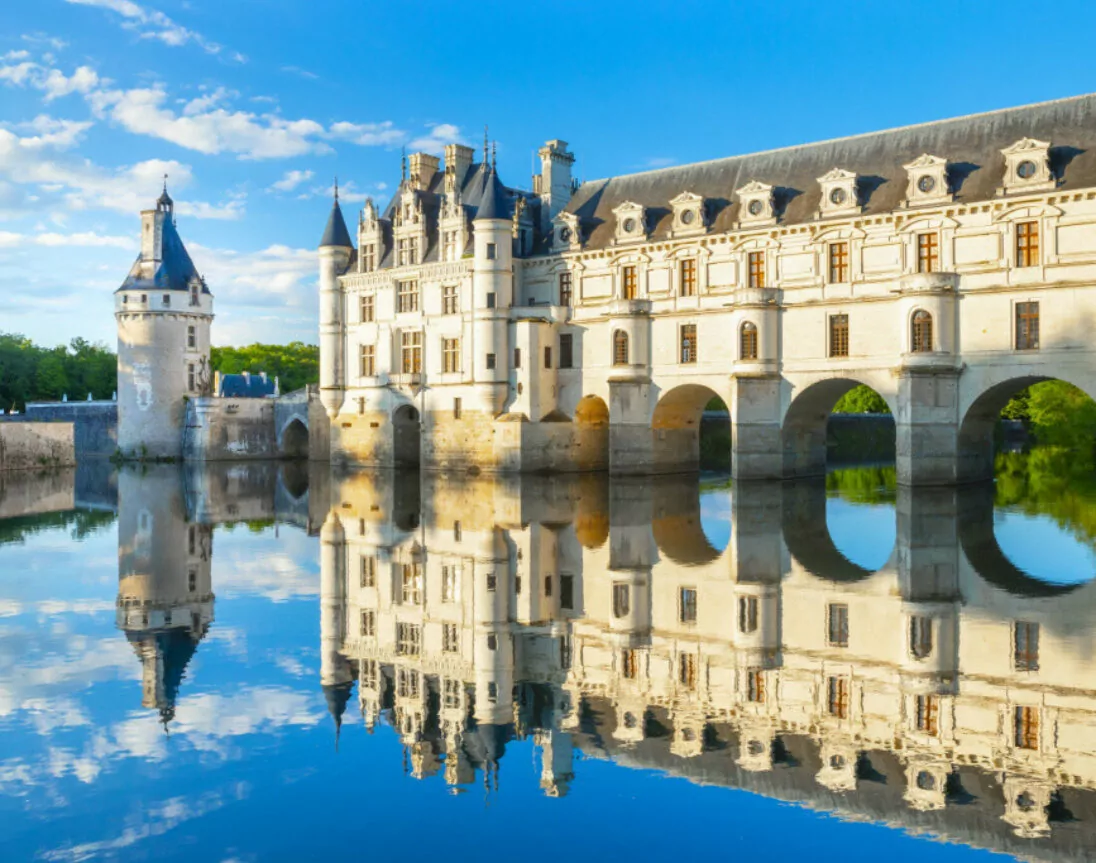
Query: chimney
(458, 159)
(554, 181)
(423, 168)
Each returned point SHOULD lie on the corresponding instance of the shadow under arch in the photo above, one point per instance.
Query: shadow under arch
(978, 540)
(294, 441)
(976, 428)
(803, 430)
(807, 534)
(406, 436)
(677, 422)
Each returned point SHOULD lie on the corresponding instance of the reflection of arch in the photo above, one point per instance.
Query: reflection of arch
(681, 538)
(591, 411)
(803, 433)
(807, 535)
(406, 435)
(620, 348)
(294, 441)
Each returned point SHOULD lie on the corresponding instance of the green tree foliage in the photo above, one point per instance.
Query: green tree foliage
(1057, 414)
(295, 364)
(29, 372)
(861, 400)
(1051, 481)
(863, 484)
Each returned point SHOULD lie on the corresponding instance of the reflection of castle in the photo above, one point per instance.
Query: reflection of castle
(945, 692)
(165, 547)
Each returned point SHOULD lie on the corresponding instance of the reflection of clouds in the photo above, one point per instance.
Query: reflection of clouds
(75, 606)
(293, 666)
(10, 608)
(157, 820)
(278, 577)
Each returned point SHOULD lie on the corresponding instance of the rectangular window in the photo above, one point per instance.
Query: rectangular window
(686, 606)
(449, 244)
(689, 347)
(517, 358)
(839, 335)
(688, 277)
(450, 355)
(628, 664)
(1027, 326)
(408, 639)
(368, 624)
(191, 378)
(490, 362)
(566, 351)
(368, 363)
(622, 595)
(547, 357)
(837, 625)
(411, 584)
(411, 352)
(756, 269)
(407, 251)
(492, 583)
(1027, 727)
(408, 296)
(1025, 646)
(456, 529)
(492, 251)
(747, 614)
(368, 311)
(928, 253)
(920, 637)
(450, 583)
(547, 585)
(456, 409)
(491, 300)
(492, 692)
(167, 300)
(755, 686)
(928, 711)
(191, 337)
(452, 694)
(686, 670)
(565, 289)
(407, 683)
(450, 641)
(839, 262)
(368, 675)
(1027, 244)
(837, 697)
(450, 300)
(629, 287)
(567, 591)
(369, 258)
(192, 580)
(492, 641)
(368, 572)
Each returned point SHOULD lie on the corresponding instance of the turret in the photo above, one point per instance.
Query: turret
(492, 282)
(336, 677)
(336, 250)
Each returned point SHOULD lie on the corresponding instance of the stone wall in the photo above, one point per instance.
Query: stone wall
(33, 446)
(27, 492)
(95, 423)
(219, 429)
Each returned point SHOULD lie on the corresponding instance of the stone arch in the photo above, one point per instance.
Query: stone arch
(406, 436)
(591, 433)
(293, 442)
(592, 412)
(676, 425)
(803, 430)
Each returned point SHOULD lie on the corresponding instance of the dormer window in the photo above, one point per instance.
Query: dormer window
(757, 204)
(839, 194)
(631, 222)
(928, 181)
(566, 233)
(1027, 167)
(689, 214)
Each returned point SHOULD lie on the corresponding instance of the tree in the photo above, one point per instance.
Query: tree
(861, 400)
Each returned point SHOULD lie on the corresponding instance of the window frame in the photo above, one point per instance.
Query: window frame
(837, 336)
(747, 341)
(1028, 243)
(450, 299)
(688, 277)
(407, 296)
(1026, 325)
(367, 361)
(620, 348)
(921, 332)
(688, 345)
(837, 624)
(629, 282)
(411, 352)
(566, 288)
(566, 350)
(928, 252)
(755, 269)
(450, 355)
(838, 258)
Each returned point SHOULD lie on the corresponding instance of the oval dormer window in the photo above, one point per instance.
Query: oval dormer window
(1025, 170)
(756, 208)
(565, 235)
(926, 184)
(629, 225)
(838, 196)
(687, 217)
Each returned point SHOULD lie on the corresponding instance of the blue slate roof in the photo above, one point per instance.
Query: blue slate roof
(246, 386)
(494, 201)
(176, 271)
(336, 234)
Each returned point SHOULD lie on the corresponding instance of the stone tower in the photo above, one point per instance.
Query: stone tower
(336, 250)
(164, 311)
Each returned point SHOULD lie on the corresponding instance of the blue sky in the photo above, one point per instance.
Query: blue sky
(253, 105)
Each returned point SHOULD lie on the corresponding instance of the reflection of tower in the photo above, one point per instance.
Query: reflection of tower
(165, 594)
(336, 675)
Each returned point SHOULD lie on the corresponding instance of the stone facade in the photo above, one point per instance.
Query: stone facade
(600, 617)
(574, 327)
(36, 446)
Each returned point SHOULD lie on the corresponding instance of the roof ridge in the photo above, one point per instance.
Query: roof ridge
(840, 138)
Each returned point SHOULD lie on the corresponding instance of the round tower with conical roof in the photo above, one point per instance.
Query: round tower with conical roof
(336, 251)
(163, 312)
(492, 286)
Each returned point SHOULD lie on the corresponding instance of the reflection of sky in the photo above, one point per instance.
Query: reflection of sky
(249, 771)
(1041, 548)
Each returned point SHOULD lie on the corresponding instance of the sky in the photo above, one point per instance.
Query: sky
(252, 107)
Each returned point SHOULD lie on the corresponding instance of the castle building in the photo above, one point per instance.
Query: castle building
(164, 310)
(473, 324)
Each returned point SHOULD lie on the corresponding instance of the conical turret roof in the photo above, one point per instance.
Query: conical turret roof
(495, 203)
(336, 234)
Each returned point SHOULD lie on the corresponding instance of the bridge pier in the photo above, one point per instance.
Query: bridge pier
(756, 443)
(927, 426)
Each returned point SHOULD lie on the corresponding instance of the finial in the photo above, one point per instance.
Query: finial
(165, 184)
(484, 143)
(336, 188)
(403, 164)
(494, 155)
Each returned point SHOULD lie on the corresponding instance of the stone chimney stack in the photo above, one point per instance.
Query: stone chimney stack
(553, 183)
(423, 167)
(458, 159)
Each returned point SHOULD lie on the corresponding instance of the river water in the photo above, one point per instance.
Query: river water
(267, 662)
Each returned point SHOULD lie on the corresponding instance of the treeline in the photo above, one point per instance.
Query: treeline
(29, 372)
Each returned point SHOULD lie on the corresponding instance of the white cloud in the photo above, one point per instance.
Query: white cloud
(150, 23)
(19, 71)
(367, 134)
(436, 139)
(291, 180)
(303, 73)
(43, 39)
(12, 240)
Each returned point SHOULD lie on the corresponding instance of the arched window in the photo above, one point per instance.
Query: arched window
(620, 348)
(747, 341)
(921, 332)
